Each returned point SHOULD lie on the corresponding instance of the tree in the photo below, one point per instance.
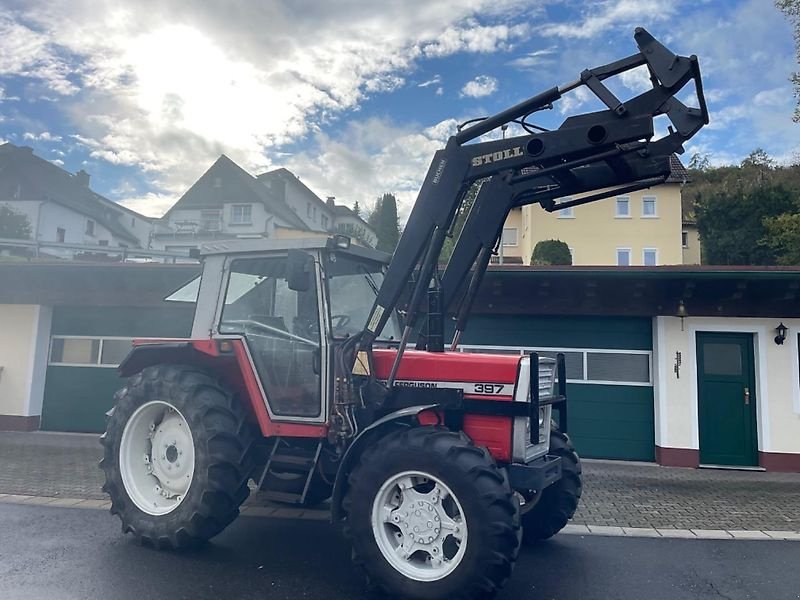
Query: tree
(13, 224)
(384, 222)
(783, 236)
(731, 223)
(791, 9)
(461, 218)
(699, 162)
(551, 252)
(356, 208)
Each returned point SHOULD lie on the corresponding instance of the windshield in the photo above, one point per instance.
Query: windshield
(353, 286)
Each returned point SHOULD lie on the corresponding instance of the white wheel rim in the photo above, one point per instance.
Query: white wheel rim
(156, 458)
(419, 526)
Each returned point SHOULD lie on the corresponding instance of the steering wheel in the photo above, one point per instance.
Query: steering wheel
(339, 321)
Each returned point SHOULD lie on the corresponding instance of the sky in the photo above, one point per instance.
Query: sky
(353, 96)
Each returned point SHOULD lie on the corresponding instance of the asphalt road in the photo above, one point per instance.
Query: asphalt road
(71, 554)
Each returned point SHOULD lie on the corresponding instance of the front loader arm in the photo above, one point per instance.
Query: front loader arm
(607, 151)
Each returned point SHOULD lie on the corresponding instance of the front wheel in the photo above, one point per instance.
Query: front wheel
(177, 457)
(431, 516)
(557, 504)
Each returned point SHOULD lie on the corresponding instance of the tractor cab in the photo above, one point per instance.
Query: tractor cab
(293, 302)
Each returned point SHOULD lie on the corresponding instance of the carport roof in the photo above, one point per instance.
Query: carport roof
(91, 284)
(744, 291)
(731, 291)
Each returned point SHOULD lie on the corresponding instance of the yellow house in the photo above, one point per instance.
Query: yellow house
(643, 228)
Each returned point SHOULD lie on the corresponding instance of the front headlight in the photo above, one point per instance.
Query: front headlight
(541, 416)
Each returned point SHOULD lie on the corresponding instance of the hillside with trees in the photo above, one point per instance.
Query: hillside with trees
(747, 214)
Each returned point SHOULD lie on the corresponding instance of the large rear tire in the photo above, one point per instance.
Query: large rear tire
(431, 516)
(558, 502)
(177, 456)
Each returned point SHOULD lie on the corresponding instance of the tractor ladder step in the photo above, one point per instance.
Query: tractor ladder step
(284, 497)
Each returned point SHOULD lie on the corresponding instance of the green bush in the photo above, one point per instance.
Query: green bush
(551, 252)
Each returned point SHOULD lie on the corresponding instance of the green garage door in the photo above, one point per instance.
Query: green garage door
(609, 374)
(86, 346)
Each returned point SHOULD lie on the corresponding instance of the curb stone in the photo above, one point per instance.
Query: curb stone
(274, 512)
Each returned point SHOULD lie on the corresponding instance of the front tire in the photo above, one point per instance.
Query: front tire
(177, 457)
(558, 502)
(431, 516)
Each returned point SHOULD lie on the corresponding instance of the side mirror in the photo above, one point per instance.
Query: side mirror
(299, 267)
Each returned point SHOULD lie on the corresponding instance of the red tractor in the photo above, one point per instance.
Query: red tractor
(298, 375)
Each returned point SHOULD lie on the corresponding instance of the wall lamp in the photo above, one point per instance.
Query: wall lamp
(781, 331)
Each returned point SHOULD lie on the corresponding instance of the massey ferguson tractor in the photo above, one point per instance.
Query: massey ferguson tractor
(298, 375)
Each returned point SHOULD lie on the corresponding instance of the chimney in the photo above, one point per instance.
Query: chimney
(330, 201)
(82, 177)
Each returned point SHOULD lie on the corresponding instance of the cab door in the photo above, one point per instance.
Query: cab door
(282, 329)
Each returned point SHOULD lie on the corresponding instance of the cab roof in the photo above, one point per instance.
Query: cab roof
(261, 245)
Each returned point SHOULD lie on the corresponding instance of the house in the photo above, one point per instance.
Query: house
(679, 365)
(638, 228)
(62, 208)
(227, 202)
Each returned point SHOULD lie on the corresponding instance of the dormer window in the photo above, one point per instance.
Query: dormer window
(89, 227)
(241, 214)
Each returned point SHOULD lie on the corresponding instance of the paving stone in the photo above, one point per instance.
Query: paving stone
(615, 494)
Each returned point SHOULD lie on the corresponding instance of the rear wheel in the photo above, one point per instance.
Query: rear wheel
(548, 512)
(177, 457)
(431, 516)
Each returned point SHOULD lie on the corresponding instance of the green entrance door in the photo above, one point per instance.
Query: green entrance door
(727, 400)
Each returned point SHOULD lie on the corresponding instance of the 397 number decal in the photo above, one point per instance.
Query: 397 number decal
(489, 388)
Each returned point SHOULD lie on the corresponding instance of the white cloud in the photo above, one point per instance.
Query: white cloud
(637, 80)
(151, 204)
(167, 87)
(608, 14)
(45, 136)
(433, 81)
(472, 37)
(482, 85)
(573, 100)
(533, 59)
(361, 164)
(26, 52)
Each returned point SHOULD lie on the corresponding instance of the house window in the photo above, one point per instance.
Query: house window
(133, 222)
(210, 219)
(103, 242)
(623, 207)
(509, 236)
(61, 234)
(685, 239)
(217, 182)
(589, 365)
(566, 213)
(623, 257)
(324, 222)
(89, 227)
(650, 257)
(649, 207)
(241, 214)
(309, 214)
(88, 351)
